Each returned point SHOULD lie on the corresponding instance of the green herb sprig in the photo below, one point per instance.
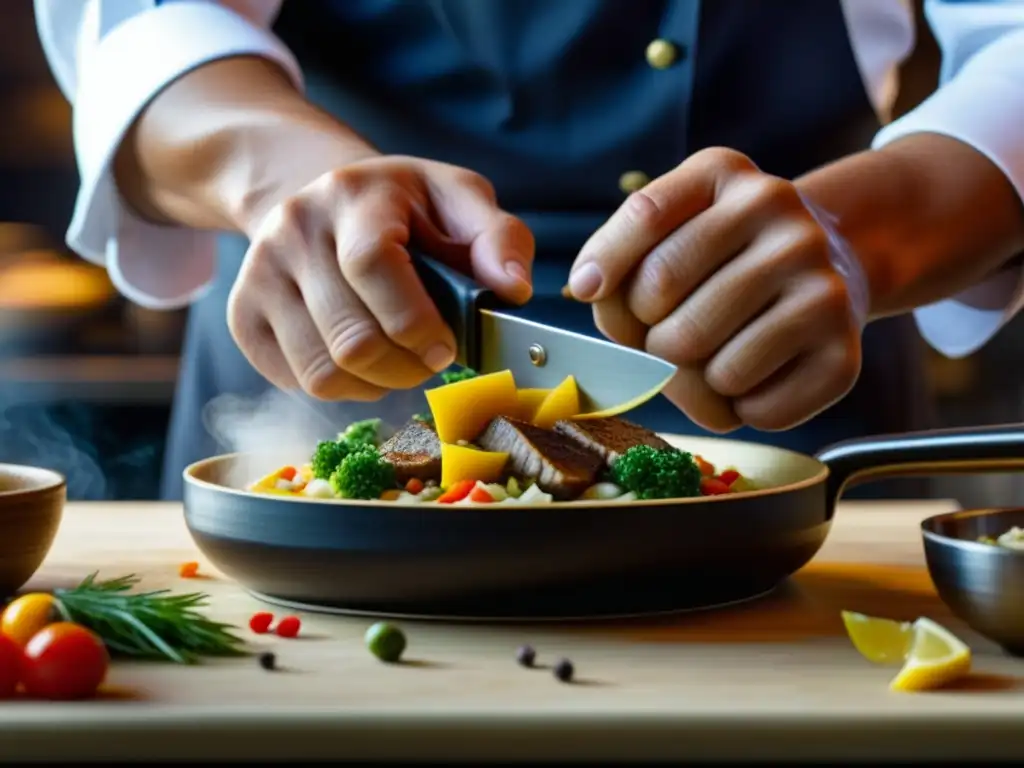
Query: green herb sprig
(150, 625)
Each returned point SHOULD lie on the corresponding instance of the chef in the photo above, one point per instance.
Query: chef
(711, 181)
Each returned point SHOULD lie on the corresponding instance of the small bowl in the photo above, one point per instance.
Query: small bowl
(31, 505)
(983, 584)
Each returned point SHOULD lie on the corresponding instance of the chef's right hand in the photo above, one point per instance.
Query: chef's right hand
(327, 298)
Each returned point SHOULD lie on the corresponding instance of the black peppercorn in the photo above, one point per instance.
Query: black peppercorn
(564, 670)
(526, 656)
(268, 661)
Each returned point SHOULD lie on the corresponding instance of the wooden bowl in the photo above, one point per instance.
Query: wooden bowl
(31, 506)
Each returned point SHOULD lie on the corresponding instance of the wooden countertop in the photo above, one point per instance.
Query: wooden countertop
(772, 679)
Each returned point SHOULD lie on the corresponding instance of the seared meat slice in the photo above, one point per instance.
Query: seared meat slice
(609, 437)
(415, 450)
(557, 464)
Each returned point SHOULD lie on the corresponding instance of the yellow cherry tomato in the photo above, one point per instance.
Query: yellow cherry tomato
(27, 615)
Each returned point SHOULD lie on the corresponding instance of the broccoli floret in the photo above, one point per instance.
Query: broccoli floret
(657, 473)
(363, 474)
(365, 432)
(450, 377)
(328, 457)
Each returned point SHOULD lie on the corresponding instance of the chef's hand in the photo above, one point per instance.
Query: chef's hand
(724, 271)
(327, 298)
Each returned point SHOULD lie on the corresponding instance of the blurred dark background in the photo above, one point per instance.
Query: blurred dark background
(86, 379)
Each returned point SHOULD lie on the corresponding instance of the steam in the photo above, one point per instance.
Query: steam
(283, 427)
(31, 436)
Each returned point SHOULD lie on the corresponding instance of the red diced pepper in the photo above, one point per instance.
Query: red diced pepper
(480, 495)
(415, 485)
(288, 473)
(707, 469)
(712, 486)
(729, 477)
(457, 492)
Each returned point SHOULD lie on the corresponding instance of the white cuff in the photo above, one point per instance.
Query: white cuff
(155, 266)
(982, 106)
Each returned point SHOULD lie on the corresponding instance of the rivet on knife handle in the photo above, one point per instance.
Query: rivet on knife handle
(459, 300)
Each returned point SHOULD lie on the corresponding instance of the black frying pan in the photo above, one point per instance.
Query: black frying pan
(558, 561)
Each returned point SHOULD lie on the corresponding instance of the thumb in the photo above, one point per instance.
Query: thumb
(501, 246)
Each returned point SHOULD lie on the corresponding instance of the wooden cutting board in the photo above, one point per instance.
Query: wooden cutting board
(772, 679)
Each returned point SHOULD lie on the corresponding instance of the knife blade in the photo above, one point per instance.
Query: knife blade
(611, 379)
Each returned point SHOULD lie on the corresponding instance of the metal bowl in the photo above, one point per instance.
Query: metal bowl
(982, 584)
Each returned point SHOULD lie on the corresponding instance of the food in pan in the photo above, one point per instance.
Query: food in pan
(487, 441)
(1011, 539)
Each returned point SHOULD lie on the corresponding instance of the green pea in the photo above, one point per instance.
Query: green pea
(385, 641)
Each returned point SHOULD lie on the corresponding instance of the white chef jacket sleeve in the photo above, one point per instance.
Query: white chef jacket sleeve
(980, 102)
(110, 58)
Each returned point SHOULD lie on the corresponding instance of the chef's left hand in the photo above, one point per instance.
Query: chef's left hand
(722, 270)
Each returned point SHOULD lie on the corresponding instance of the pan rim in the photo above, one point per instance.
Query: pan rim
(189, 475)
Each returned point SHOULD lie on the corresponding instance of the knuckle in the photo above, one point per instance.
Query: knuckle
(355, 343)
(642, 211)
(474, 181)
(724, 157)
(409, 329)
(683, 340)
(831, 300)
(726, 377)
(319, 378)
(345, 182)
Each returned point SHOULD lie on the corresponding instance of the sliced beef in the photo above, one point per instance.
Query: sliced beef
(558, 465)
(415, 450)
(609, 437)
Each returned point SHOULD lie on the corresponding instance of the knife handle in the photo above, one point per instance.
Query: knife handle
(459, 300)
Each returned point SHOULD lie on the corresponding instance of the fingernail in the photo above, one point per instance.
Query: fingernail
(585, 282)
(438, 357)
(516, 270)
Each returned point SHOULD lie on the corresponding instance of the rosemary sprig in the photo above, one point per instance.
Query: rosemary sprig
(149, 625)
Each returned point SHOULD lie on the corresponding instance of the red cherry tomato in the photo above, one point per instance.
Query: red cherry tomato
(10, 666)
(288, 626)
(64, 661)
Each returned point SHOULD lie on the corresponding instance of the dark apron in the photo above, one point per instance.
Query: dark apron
(553, 100)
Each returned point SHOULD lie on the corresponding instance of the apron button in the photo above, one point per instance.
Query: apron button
(661, 54)
(633, 181)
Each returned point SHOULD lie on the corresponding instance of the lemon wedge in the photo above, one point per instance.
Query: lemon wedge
(931, 655)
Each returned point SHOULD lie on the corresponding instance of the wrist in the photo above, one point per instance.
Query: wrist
(274, 156)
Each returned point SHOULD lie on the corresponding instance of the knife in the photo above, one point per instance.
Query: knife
(611, 379)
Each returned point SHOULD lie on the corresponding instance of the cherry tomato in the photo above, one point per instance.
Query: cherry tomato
(260, 622)
(289, 626)
(28, 614)
(10, 667)
(64, 661)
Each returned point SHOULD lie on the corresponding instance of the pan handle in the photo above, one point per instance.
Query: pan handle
(962, 450)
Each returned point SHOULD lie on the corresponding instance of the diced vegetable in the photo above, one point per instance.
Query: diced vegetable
(462, 409)
(529, 401)
(460, 462)
(480, 495)
(729, 476)
(602, 491)
(707, 469)
(457, 492)
(414, 485)
(712, 486)
(563, 402)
